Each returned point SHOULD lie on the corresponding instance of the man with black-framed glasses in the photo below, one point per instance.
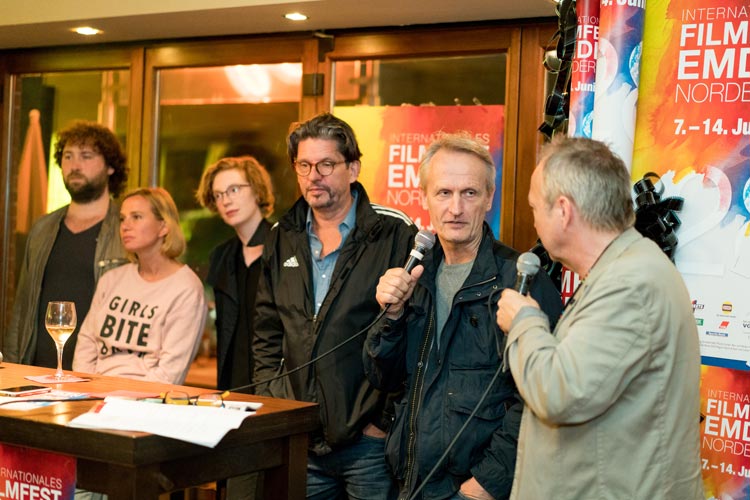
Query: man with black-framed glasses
(320, 267)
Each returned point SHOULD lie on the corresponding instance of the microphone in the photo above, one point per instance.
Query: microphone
(423, 241)
(527, 265)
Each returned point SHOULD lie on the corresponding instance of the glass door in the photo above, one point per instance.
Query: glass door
(448, 70)
(208, 113)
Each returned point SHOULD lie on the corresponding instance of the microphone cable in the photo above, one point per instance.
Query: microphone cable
(423, 241)
(458, 434)
(316, 358)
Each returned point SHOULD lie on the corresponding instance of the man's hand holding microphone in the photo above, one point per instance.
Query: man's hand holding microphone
(397, 284)
(514, 299)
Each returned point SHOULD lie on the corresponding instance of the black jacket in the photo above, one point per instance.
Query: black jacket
(287, 329)
(222, 276)
(443, 386)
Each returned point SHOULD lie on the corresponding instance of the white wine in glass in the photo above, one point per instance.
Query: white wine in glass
(60, 321)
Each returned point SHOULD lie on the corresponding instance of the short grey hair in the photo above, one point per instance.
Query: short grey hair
(460, 142)
(594, 178)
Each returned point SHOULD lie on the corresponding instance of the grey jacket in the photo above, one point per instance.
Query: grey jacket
(20, 339)
(612, 398)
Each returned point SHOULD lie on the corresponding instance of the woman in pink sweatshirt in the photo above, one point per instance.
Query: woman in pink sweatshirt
(146, 317)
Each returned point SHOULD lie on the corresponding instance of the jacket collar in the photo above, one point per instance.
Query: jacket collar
(259, 236)
(223, 277)
(613, 252)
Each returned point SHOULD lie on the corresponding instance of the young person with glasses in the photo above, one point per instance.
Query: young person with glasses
(240, 191)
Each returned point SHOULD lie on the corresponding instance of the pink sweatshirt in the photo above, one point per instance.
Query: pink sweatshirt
(141, 329)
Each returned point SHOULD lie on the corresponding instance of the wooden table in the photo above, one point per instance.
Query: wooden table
(130, 465)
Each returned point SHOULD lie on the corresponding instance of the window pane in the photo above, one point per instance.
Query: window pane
(435, 80)
(209, 113)
(46, 103)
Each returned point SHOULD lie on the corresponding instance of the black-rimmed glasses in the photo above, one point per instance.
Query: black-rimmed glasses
(230, 193)
(324, 167)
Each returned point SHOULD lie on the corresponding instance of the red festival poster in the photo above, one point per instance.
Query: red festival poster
(693, 130)
(392, 140)
(27, 474)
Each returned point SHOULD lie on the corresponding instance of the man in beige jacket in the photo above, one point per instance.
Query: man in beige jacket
(612, 395)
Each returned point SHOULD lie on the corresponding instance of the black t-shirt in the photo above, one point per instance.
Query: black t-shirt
(69, 275)
(239, 356)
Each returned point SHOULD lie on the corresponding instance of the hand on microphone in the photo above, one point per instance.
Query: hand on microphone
(396, 285)
(395, 288)
(508, 306)
(512, 300)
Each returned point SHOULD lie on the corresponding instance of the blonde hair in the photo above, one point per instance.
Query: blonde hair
(256, 175)
(164, 209)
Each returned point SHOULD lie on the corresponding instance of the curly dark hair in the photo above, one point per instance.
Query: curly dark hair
(104, 142)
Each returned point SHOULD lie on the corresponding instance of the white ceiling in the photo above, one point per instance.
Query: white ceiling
(48, 22)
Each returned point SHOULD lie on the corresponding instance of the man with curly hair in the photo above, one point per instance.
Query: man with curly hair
(69, 249)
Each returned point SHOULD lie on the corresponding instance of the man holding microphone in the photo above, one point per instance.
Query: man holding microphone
(612, 393)
(439, 339)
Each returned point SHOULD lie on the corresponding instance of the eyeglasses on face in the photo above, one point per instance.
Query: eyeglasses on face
(215, 399)
(323, 168)
(230, 193)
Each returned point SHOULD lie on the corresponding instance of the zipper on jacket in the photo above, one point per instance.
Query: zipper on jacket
(414, 407)
(313, 328)
(417, 393)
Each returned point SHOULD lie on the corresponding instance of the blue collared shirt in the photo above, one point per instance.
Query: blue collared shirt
(323, 267)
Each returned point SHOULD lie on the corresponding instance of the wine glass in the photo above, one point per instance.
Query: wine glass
(60, 322)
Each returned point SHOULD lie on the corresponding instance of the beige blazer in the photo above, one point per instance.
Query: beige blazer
(612, 397)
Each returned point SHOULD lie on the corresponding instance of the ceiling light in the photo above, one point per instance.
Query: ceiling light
(86, 31)
(295, 16)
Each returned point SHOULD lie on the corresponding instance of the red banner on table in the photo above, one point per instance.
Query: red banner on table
(28, 474)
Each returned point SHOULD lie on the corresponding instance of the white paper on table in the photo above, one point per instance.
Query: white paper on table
(203, 425)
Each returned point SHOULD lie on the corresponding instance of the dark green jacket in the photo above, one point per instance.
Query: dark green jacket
(19, 341)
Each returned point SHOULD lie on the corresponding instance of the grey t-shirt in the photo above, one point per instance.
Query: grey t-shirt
(448, 281)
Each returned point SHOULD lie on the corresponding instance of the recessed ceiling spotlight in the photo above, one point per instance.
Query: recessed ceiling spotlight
(86, 31)
(296, 16)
